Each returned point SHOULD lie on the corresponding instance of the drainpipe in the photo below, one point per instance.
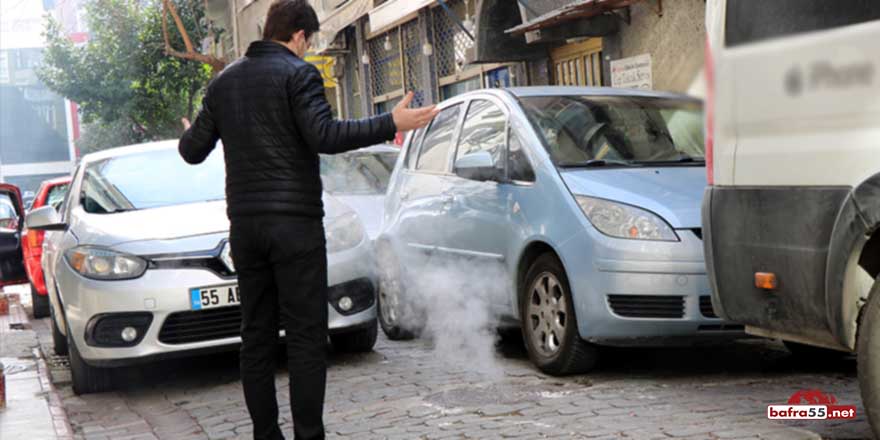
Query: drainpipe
(235, 27)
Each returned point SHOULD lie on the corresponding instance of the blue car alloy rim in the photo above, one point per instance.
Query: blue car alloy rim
(547, 314)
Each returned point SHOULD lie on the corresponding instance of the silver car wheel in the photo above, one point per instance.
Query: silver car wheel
(546, 314)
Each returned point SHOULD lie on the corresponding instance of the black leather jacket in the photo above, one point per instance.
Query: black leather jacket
(270, 111)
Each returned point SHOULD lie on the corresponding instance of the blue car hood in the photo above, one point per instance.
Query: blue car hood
(674, 193)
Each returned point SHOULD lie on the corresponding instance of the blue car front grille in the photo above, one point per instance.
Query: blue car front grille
(647, 306)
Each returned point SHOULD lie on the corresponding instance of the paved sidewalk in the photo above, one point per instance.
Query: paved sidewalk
(33, 407)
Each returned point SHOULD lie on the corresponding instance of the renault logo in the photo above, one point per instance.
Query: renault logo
(226, 257)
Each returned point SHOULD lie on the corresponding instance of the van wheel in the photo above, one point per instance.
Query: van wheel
(86, 378)
(59, 341)
(868, 346)
(393, 308)
(41, 303)
(549, 325)
(358, 341)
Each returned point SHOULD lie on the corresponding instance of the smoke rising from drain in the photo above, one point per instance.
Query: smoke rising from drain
(456, 304)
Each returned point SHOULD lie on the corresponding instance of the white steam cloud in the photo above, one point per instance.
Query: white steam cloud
(456, 304)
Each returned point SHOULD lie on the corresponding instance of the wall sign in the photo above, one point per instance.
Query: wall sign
(632, 73)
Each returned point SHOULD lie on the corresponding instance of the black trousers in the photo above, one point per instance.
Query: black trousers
(282, 275)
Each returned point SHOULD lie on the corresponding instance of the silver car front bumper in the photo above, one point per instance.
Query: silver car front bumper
(164, 294)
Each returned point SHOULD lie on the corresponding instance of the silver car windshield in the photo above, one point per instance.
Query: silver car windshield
(151, 179)
(357, 173)
(618, 130)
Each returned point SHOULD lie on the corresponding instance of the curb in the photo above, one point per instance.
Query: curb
(63, 430)
(18, 319)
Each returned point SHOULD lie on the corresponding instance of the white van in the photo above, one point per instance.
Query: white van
(791, 219)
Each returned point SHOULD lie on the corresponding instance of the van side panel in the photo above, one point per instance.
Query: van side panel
(722, 104)
(807, 108)
(783, 230)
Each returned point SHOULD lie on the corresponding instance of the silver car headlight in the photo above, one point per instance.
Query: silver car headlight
(343, 232)
(625, 221)
(105, 264)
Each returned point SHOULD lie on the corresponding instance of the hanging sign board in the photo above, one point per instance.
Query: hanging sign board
(632, 73)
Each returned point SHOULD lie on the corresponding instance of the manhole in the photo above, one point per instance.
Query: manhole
(58, 361)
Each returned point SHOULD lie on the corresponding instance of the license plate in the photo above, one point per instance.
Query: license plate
(216, 296)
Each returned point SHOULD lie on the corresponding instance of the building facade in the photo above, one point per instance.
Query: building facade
(374, 51)
(36, 126)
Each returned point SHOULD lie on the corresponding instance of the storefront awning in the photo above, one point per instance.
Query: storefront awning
(393, 13)
(578, 9)
(334, 21)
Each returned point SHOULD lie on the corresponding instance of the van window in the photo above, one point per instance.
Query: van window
(751, 21)
(434, 155)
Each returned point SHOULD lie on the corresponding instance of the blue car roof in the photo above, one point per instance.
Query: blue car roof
(523, 92)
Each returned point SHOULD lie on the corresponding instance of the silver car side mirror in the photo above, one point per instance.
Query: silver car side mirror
(44, 219)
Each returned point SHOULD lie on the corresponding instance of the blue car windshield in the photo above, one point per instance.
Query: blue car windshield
(618, 130)
(151, 179)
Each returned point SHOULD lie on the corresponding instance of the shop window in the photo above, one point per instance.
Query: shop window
(455, 89)
(395, 58)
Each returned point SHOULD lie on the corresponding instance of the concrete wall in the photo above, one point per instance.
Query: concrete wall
(674, 40)
(251, 16)
(219, 12)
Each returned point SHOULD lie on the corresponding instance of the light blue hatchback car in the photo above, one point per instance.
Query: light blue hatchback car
(585, 200)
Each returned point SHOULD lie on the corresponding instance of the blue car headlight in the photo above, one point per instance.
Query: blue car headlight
(343, 232)
(624, 221)
(104, 264)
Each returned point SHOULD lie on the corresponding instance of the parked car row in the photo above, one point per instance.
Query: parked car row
(137, 267)
(607, 216)
(585, 201)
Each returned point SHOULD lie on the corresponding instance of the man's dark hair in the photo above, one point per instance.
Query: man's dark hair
(287, 17)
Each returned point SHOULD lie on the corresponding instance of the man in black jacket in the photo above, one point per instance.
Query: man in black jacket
(269, 109)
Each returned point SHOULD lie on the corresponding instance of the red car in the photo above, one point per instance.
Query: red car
(51, 193)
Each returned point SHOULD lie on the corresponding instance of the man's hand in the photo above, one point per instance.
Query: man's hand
(185, 123)
(406, 119)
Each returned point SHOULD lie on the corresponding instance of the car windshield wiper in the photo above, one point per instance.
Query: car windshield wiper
(682, 159)
(597, 163)
(119, 210)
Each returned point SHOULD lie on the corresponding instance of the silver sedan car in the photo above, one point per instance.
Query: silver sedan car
(139, 267)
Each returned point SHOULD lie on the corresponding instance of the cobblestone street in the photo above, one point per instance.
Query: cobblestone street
(402, 391)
